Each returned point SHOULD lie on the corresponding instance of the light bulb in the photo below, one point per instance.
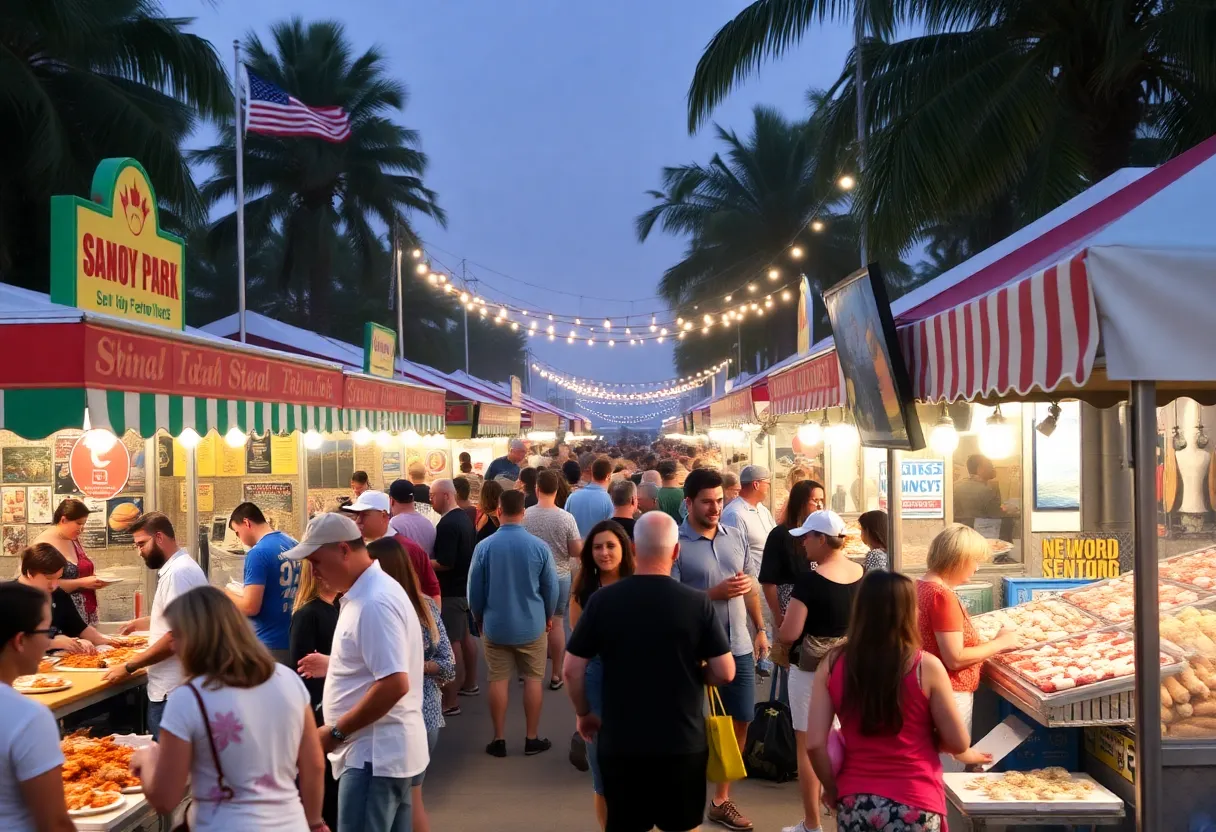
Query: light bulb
(773, 274)
(383, 438)
(996, 438)
(796, 252)
(590, 342)
(416, 253)
(810, 434)
(99, 440)
(751, 287)
(842, 434)
(569, 340)
(443, 278)
(728, 298)
(817, 226)
(944, 438)
(578, 321)
(514, 326)
(653, 328)
(846, 182)
(704, 330)
(422, 268)
(611, 342)
(785, 295)
(464, 297)
(607, 324)
(410, 437)
(433, 279)
(312, 440)
(235, 437)
(362, 436)
(482, 311)
(448, 288)
(189, 438)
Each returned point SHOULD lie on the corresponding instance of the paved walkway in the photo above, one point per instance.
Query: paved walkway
(466, 789)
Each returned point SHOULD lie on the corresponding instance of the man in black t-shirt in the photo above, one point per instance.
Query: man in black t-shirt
(650, 632)
(455, 539)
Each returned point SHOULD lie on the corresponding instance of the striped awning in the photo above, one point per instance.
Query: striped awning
(1034, 333)
(814, 384)
(352, 420)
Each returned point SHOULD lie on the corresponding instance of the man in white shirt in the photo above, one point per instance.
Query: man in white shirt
(176, 574)
(374, 731)
(748, 513)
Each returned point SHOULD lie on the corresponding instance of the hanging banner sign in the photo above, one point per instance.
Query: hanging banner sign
(732, 409)
(142, 364)
(493, 420)
(366, 394)
(923, 488)
(517, 391)
(109, 254)
(379, 350)
(1092, 555)
(544, 421)
(812, 385)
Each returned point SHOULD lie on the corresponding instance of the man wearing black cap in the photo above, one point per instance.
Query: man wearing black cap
(406, 521)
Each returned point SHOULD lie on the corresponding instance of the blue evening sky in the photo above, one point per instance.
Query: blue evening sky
(545, 122)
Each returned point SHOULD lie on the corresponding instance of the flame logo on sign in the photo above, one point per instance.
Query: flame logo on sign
(135, 208)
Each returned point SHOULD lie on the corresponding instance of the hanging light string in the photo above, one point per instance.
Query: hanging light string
(627, 419)
(735, 306)
(699, 377)
(592, 390)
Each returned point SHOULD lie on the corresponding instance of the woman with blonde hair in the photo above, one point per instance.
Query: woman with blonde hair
(314, 619)
(439, 662)
(239, 730)
(946, 630)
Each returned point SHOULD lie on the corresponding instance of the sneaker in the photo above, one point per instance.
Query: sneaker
(497, 748)
(473, 691)
(800, 826)
(556, 684)
(536, 746)
(727, 815)
(578, 752)
(452, 711)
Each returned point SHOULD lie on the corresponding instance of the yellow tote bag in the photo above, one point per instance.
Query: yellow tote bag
(725, 759)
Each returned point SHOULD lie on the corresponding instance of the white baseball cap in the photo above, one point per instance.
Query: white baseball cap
(823, 521)
(369, 501)
(323, 530)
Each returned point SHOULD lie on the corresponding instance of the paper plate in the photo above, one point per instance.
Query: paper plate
(24, 688)
(99, 810)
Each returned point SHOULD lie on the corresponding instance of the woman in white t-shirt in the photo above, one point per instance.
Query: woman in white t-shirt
(262, 729)
(31, 764)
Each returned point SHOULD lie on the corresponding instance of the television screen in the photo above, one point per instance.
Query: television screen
(876, 378)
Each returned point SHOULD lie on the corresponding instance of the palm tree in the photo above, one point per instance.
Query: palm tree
(316, 192)
(83, 80)
(1002, 105)
(741, 213)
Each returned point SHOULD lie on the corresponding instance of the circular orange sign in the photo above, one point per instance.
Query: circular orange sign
(101, 474)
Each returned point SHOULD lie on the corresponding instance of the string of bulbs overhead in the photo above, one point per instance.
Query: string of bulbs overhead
(627, 419)
(755, 297)
(593, 390)
(700, 376)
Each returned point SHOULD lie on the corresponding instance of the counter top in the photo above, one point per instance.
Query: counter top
(88, 688)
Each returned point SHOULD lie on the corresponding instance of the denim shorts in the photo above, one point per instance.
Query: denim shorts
(563, 595)
(365, 802)
(739, 697)
(432, 739)
(593, 682)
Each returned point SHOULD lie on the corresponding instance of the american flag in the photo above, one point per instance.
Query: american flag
(272, 111)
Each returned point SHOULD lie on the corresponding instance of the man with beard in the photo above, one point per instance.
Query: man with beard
(177, 574)
(717, 560)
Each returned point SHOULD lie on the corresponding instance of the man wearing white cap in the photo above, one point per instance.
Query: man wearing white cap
(371, 514)
(374, 731)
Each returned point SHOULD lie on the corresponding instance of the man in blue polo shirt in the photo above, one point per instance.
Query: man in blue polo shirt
(591, 503)
(270, 580)
(716, 559)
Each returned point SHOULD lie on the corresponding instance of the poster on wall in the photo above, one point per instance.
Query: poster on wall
(481, 458)
(390, 463)
(12, 505)
(27, 465)
(283, 458)
(231, 460)
(923, 488)
(64, 442)
(257, 454)
(137, 479)
(275, 500)
(15, 539)
(436, 463)
(331, 465)
(38, 505)
(93, 536)
(121, 514)
(1057, 458)
(205, 455)
(206, 496)
(65, 486)
(165, 457)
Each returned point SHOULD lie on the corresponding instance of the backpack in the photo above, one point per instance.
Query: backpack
(770, 752)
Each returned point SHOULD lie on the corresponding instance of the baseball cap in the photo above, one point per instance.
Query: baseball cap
(369, 501)
(825, 522)
(754, 473)
(401, 491)
(323, 530)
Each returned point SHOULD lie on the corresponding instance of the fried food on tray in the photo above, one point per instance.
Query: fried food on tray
(119, 655)
(97, 763)
(129, 641)
(81, 796)
(1053, 783)
(83, 661)
(45, 666)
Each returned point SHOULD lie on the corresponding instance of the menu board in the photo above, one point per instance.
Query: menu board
(231, 460)
(331, 465)
(93, 536)
(206, 497)
(204, 456)
(269, 495)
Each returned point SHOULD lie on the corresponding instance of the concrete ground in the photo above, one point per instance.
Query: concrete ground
(466, 789)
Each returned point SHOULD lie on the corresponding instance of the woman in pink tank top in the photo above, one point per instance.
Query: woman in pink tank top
(896, 714)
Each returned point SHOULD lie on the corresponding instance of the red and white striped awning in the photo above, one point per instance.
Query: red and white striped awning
(812, 385)
(1034, 333)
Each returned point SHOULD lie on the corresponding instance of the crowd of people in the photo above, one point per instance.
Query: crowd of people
(345, 653)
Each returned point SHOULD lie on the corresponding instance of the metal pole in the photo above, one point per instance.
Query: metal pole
(240, 187)
(464, 282)
(400, 295)
(859, 84)
(895, 508)
(1147, 614)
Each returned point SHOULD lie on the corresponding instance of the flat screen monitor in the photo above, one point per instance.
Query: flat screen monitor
(876, 377)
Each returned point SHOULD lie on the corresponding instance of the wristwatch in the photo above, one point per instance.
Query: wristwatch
(130, 670)
(336, 734)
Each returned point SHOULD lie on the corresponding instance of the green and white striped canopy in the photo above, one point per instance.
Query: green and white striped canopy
(352, 420)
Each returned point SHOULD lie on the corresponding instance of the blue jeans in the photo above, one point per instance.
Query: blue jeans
(563, 595)
(593, 682)
(156, 710)
(432, 737)
(374, 804)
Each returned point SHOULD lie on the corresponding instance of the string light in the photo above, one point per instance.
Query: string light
(625, 392)
(846, 182)
(796, 252)
(629, 418)
(773, 274)
(817, 226)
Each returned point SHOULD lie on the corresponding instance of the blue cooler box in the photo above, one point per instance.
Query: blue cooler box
(1021, 590)
(1045, 747)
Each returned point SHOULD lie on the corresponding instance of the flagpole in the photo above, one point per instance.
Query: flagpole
(240, 187)
(400, 292)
